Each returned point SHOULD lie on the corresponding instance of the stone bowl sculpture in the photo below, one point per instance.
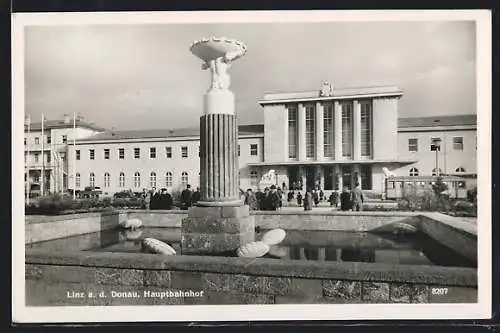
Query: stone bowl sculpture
(131, 224)
(213, 48)
(253, 250)
(274, 236)
(152, 245)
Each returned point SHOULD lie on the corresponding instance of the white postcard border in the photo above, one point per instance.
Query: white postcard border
(480, 310)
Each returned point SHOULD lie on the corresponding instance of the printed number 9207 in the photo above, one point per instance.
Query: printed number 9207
(439, 291)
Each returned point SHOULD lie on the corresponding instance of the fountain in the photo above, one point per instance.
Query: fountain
(220, 221)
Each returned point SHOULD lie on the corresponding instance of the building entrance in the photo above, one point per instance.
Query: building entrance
(310, 177)
(346, 176)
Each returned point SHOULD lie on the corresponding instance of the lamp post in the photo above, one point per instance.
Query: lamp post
(436, 146)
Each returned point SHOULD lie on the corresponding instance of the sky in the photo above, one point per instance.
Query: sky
(143, 76)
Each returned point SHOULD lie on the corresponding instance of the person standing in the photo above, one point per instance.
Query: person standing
(308, 200)
(186, 198)
(196, 196)
(357, 198)
(290, 196)
(331, 199)
(251, 200)
(315, 197)
(345, 199)
(273, 198)
(321, 195)
(299, 199)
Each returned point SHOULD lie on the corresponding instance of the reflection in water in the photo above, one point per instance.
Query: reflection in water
(415, 249)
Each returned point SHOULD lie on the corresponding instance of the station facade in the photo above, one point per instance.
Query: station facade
(329, 138)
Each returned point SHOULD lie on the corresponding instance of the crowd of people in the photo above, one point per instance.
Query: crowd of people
(270, 199)
(161, 199)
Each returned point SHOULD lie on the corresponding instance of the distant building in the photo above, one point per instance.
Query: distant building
(53, 159)
(329, 139)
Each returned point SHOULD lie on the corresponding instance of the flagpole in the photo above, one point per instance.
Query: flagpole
(43, 161)
(74, 156)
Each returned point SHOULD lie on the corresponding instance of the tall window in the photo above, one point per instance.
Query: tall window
(152, 152)
(199, 151)
(37, 140)
(91, 154)
(413, 144)
(25, 141)
(77, 180)
(366, 128)
(106, 154)
(121, 153)
(292, 131)
(184, 178)
(347, 129)
(328, 131)
(92, 180)
(121, 180)
(254, 181)
(458, 143)
(168, 179)
(184, 152)
(168, 152)
(48, 158)
(64, 138)
(36, 158)
(310, 130)
(152, 179)
(77, 154)
(137, 153)
(49, 139)
(413, 172)
(107, 179)
(137, 179)
(238, 150)
(254, 150)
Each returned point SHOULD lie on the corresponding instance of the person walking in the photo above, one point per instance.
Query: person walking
(345, 200)
(331, 199)
(357, 198)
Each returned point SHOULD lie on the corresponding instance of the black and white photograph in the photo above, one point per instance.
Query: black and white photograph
(228, 166)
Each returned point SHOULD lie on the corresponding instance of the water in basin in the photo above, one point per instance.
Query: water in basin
(410, 249)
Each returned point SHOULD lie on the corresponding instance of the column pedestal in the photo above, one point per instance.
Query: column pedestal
(219, 223)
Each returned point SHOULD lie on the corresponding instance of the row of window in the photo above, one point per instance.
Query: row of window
(36, 157)
(64, 139)
(254, 149)
(414, 172)
(168, 180)
(153, 179)
(347, 124)
(458, 144)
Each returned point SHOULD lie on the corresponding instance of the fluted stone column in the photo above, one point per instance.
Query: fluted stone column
(219, 160)
(219, 223)
(301, 124)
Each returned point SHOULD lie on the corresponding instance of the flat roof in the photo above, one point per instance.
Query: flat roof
(335, 93)
(52, 124)
(438, 121)
(247, 130)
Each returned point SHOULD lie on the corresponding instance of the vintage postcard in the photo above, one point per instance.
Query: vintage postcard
(226, 166)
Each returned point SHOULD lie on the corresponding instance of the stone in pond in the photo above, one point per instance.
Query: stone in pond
(253, 250)
(152, 245)
(131, 224)
(277, 251)
(274, 236)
